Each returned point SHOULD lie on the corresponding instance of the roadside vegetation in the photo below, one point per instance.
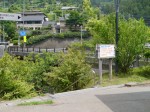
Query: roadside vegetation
(43, 73)
(53, 73)
(60, 72)
(137, 75)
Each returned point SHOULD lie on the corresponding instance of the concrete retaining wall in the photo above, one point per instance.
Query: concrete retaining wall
(55, 43)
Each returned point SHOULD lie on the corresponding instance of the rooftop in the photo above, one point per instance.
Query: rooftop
(33, 18)
(32, 13)
(68, 8)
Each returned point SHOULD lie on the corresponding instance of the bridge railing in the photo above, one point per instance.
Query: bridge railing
(14, 49)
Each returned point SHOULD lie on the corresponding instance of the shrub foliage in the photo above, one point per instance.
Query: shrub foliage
(48, 72)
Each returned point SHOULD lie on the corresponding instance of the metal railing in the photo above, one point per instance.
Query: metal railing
(14, 49)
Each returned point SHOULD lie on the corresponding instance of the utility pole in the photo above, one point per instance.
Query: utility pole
(23, 21)
(117, 36)
(23, 12)
(3, 23)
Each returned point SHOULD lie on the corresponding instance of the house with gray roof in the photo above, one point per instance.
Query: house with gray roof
(33, 20)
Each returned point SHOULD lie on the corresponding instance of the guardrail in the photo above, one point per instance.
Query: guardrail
(26, 50)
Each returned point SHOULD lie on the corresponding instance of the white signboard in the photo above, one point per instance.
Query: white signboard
(106, 51)
(2, 47)
(10, 16)
(147, 45)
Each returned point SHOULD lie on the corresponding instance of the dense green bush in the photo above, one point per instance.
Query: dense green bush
(13, 78)
(15, 42)
(48, 72)
(147, 53)
(20, 78)
(144, 71)
(37, 38)
(36, 32)
(72, 73)
(42, 64)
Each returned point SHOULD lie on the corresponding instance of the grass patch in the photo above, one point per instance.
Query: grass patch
(36, 103)
(139, 75)
(116, 80)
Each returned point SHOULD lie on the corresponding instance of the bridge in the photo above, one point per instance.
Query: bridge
(24, 51)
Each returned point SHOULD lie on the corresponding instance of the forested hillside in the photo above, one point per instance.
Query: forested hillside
(133, 7)
(128, 8)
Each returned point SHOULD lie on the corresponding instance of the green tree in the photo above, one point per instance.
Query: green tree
(87, 10)
(103, 30)
(9, 29)
(132, 37)
(75, 19)
(14, 8)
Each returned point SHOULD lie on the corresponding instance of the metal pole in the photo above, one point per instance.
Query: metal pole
(23, 12)
(23, 18)
(117, 36)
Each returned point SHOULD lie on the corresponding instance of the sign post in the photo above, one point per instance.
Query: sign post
(100, 71)
(10, 16)
(110, 68)
(24, 40)
(23, 34)
(105, 51)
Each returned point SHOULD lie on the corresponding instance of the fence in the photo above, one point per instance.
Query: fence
(24, 51)
(33, 49)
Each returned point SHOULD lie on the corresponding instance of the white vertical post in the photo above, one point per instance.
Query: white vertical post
(19, 41)
(110, 68)
(100, 71)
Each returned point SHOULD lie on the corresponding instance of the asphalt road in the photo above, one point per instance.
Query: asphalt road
(107, 99)
(128, 102)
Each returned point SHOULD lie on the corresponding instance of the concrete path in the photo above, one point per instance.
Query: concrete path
(107, 99)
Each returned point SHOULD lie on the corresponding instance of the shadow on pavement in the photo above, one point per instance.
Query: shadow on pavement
(128, 102)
